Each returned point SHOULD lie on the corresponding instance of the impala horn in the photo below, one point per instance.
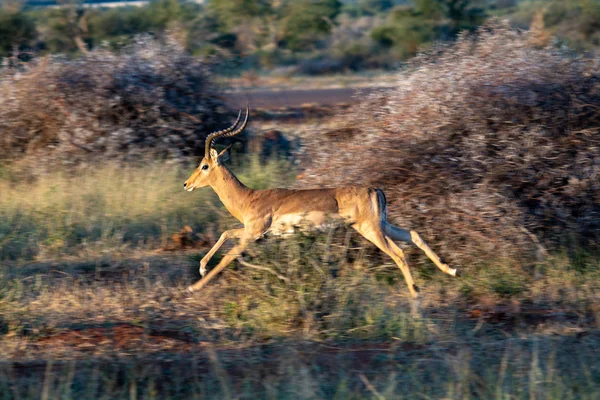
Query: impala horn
(229, 132)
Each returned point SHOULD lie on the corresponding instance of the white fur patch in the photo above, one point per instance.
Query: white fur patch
(314, 220)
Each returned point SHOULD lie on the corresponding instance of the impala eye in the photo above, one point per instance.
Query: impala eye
(205, 166)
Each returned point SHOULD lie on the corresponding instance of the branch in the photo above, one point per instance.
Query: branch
(248, 265)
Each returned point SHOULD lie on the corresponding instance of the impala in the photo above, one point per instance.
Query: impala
(281, 210)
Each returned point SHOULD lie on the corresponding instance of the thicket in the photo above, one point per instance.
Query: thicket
(489, 147)
(322, 36)
(150, 99)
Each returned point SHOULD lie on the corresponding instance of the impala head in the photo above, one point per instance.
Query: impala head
(212, 160)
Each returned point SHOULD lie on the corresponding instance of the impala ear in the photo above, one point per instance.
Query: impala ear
(225, 154)
(214, 155)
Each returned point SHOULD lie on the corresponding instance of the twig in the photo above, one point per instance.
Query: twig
(259, 267)
(537, 242)
(371, 388)
(61, 272)
(480, 323)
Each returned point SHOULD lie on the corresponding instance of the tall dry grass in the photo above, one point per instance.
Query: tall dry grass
(110, 207)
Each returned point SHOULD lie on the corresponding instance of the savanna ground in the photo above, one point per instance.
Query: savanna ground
(97, 245)
(92, 304)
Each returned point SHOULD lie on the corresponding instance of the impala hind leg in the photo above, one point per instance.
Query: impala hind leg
(413, 237)
(374, 234)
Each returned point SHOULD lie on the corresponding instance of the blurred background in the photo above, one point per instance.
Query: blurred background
(480, 119)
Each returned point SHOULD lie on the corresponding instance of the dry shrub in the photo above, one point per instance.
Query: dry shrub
(486, 146)
(151, 98)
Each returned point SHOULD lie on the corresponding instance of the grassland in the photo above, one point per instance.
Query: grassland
(92, 305)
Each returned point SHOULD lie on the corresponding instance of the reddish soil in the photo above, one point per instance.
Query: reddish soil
(124, 338)
(121, 337)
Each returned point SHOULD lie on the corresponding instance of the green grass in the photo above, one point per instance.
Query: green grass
(90, 309)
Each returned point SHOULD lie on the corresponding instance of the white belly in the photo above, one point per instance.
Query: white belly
(314, 220)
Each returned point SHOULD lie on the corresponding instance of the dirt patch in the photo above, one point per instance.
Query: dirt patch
(511, 317)
(122, 337)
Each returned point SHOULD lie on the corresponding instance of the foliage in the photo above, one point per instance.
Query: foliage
(269, 33)
(406, 31)
(305, 22)
(232, 13)
(60, 26)
(64, 29)
(374, 7)
(17, 32)
(578, 21)
(573, 22)
(410, 27)
(489, 145)
(116, 24)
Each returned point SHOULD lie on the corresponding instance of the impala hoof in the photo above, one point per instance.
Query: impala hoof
(190, 290)
(453, 272)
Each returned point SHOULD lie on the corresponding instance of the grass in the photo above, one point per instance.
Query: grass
(89, 308)
(109, 209)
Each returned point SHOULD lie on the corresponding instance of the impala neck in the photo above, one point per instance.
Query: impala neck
(230, 190)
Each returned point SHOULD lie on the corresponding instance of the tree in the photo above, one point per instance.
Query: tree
(463, 14)
(248, 20)
(409, 27)
(232, 13)
(17, 31)
(305, 22)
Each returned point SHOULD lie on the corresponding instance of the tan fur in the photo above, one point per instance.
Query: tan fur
(281, 211)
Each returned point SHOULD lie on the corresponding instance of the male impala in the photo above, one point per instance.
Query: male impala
(280, 210)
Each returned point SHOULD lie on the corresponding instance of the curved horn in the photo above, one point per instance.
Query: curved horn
(227, 132)
(241, 128)
(210, 138)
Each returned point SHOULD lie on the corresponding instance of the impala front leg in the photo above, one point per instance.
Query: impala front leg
(230, 234)
(225, 261)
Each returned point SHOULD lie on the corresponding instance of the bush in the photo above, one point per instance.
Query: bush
(150, 99)
(487, 147)
(17, 31)
(307, 22)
